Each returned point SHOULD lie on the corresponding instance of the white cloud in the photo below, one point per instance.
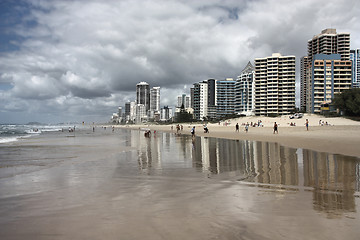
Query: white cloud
(85, 59)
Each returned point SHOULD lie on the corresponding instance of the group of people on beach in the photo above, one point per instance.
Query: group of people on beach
(246, 127)
(322, 123)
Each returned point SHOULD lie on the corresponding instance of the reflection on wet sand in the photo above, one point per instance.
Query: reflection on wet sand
(333, 179)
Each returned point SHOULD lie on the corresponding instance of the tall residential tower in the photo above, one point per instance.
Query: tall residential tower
(143, 94)
(327, 46)
(274, 85)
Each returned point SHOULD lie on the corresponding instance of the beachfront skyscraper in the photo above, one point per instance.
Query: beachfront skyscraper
(183, 100)
(304, 72)
(166, 113)
(130, 111)
(154, 102)
(140, 113)
(330, 42)
(212, 98)
(330, 75)
(200, 100)
(244, 91)
(274, 85)
(355, 58)
(327, 42)
(204, 99)
(225, 97)
(143, 94)
(155, 99)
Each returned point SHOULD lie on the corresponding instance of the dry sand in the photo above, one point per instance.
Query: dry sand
(340, 136)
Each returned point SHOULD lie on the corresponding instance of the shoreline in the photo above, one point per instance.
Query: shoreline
(341, 136)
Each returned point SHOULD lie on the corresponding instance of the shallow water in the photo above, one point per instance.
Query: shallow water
(106, 184)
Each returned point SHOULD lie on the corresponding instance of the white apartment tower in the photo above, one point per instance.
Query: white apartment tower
(155, 99)
(274, 85)
(201, 100)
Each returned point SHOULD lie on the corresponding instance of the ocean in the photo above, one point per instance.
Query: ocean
(14, 132)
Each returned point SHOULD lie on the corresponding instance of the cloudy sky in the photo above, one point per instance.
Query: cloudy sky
(76, 60)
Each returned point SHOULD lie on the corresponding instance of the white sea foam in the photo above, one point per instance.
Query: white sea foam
(8, 139)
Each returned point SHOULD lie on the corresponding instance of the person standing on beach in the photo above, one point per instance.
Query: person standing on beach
(247, 127)
(237, 127)
(307, 125)
(275, 128)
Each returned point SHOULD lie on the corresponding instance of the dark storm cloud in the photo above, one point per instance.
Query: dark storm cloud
(75, 59)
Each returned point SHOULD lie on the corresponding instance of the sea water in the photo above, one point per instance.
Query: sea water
(14, 132)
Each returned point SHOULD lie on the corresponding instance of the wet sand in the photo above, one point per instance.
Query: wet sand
(107, 185)
(341, 136)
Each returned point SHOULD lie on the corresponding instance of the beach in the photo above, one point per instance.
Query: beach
(338, 136)
(106, 184)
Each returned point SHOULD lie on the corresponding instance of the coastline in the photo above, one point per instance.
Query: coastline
(340, 136)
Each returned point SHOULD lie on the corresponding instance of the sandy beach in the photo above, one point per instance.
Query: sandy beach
(338, 136)
(121, 185)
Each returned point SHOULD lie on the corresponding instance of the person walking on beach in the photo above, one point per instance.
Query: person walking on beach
(275, 128)
(307, 125)
(247, 127)
(237, 127)
(193, 131)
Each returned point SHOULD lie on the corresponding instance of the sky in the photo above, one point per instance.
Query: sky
(75, 60)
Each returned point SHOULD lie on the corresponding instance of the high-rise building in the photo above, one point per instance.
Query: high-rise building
(127, 109)
(225, 97)
(200, 100)
(143, 94)
(155, 99)
(330, 42)
(166, 113)
(140, 113)
(355, 58)
(192, 98)
(327, 42)
(245, 91)
(212, 99)
(183, 100)
(204, 99)
(304, 72)
(130, 111)
(274, 85)
(330, 76)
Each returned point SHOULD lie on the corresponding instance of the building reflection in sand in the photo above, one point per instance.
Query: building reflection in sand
(333, 179)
